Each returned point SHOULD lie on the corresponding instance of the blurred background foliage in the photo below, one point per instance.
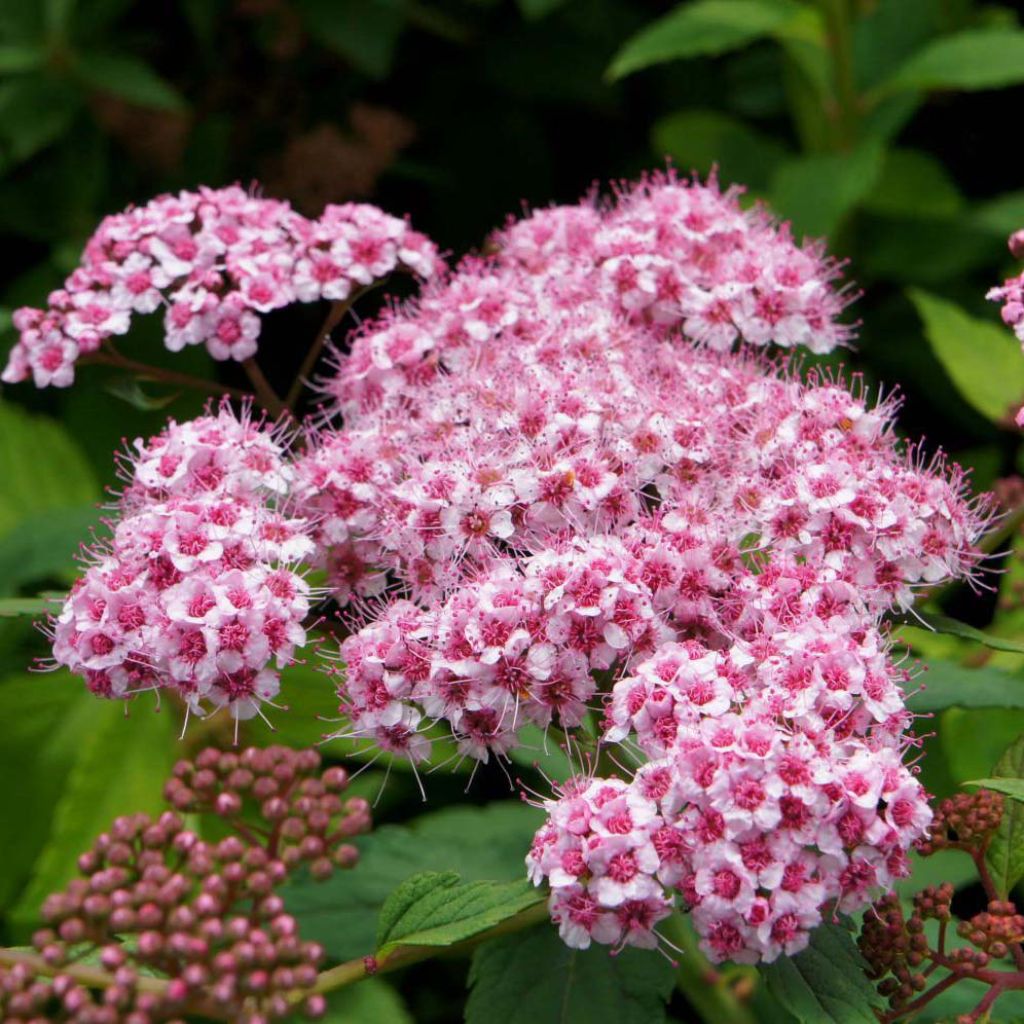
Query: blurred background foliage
(888, 125)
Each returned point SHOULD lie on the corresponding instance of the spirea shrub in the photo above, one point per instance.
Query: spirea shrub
(579, 484)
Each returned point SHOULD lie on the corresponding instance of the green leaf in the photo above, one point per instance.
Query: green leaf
(953, 627)
(479, 843)
(913, 184)
(975, 59)
(825, 983)
(120, 766)
(1002, 215)
(703, 28)
(126, 76)
(981, 358)
(532, 977)
(972, 740)
(41, 468)
(435, 909)
(47, 718)
(1013, 788)
(364, 32)
(926, 251)
(1006, 851)
(816, 192)
(888, 33)
(947, 685)
(372, 1001)
(702, 139)
(43, 547)
(35, 111)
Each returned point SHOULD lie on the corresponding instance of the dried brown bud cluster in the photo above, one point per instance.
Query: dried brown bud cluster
(181, 925)
(964, 822)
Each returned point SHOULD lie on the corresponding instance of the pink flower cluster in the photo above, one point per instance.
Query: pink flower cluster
(518, 645)
(667, 254)
(553, 494)
(1011, 294)
(212, 260)
(195, 591)
(569, 485)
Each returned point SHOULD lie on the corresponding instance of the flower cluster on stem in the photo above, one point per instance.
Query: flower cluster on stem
(568, 489)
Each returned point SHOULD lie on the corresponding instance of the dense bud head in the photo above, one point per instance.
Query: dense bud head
(154, 895)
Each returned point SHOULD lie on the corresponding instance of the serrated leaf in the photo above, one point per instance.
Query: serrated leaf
(703, 28)
(1006, 851)
(121, 74)
(120, 766)
(480, 843)
(825, 983)
(981, 358)
(816, 192)
(701, 139)
(532, 977)
(948, 685)
(1013, 788)
(974, 59)
(436, 909)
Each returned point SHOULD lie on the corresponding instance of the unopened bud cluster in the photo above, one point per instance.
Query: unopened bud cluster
(180, 925)
(899, 953)
(964, 822)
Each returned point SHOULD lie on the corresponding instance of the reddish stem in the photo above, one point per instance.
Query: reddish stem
(111, 357)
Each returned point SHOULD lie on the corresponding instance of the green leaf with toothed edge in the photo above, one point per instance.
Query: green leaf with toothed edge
(480, 843)
(435, 908)
(824, 983)
(533, 977)
(1005, 856)
(1013, 788)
